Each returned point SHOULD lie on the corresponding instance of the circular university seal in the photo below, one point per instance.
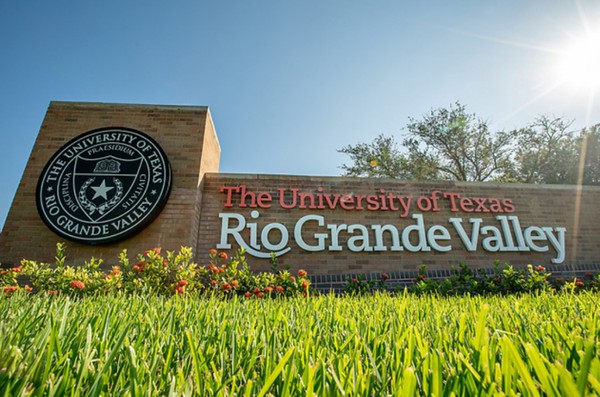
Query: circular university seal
(104, 185)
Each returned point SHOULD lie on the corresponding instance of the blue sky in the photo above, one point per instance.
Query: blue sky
(290, 82)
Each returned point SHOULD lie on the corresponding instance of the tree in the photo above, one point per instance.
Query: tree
(452, 144)
(458, 145)
(546, 152)
(445, 144)
(588, 145)
(380, 159)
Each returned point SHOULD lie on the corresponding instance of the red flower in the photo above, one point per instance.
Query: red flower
(223, 255)
(16, 269)
(165, 262)
(234, 283)
(385, 276)
(259, 295)
(226, 287)
(540, 268)
(28, 289)
(292, 279)
(355, 280)
(420, 277)
(10, 290)
(302, 273)
(3, 272)
(183, 283)
(77, 284)
(147, 252)
(579, 283)
(257, 290)
(248, 294)
(179, 289)
(53, 292)
(269, 290)
(156, 250)
(279, 289)
(116, 270)
(305, 284)
(213, 252)
(137, 268)
(213, 282)
(107, 276)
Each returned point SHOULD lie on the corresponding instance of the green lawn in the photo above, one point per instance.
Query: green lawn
(374, 345)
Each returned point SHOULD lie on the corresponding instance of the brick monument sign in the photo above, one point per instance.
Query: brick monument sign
(105, 177)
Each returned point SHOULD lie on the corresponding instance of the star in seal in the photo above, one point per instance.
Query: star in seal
(101, 190)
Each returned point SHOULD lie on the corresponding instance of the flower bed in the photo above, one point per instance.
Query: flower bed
(173, 273)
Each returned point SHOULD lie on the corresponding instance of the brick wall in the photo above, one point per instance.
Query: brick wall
(184, 132)
(534, 205)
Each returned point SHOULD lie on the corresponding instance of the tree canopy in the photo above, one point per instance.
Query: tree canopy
(452, 144)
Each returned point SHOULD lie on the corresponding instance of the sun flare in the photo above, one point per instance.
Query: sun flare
(578, 66)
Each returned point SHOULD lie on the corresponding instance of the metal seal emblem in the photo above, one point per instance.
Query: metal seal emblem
(104, 186)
